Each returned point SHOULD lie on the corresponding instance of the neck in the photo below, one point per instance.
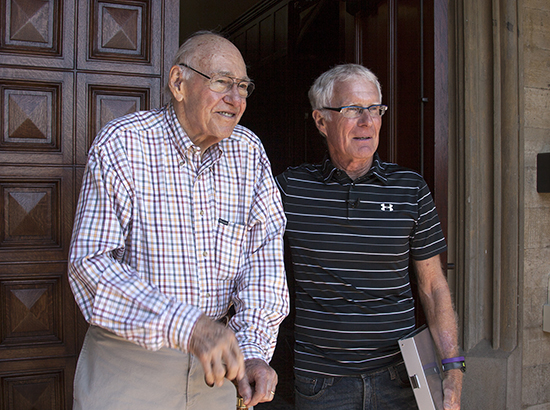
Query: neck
(354, 169)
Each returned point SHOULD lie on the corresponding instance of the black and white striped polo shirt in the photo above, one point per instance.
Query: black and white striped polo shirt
(350, 243)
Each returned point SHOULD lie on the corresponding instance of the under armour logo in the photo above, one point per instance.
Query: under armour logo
(386, 207)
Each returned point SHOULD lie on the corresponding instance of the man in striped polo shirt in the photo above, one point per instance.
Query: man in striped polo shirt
(354, 222)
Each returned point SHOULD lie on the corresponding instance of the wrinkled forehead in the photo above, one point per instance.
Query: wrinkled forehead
(217, 55)
(356, 90)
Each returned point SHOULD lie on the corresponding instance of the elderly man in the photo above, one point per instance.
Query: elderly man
(353, 223)
(179, 219)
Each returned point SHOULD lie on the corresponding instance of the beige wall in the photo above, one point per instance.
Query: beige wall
(536, 94)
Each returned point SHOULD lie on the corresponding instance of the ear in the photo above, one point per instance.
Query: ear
(320, 122)
(176, 83)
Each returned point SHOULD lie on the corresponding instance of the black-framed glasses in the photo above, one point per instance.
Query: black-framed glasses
(355, 111)
(221, 83)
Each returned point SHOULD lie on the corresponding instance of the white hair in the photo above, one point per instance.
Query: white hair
(321, 92)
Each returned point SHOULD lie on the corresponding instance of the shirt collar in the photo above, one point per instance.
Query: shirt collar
(376, 171)
(178, 136)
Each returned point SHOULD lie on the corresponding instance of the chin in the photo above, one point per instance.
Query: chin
(223, 135)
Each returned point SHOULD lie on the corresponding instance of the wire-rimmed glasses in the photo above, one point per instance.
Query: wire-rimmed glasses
(222, 83)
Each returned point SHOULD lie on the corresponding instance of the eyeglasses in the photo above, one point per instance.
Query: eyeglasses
(222, 83)
(355, 111)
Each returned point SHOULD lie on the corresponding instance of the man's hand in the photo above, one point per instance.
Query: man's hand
(218, 351)
(259, 383)
(452, 387)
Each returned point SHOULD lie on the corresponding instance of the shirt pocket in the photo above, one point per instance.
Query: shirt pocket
(228, 251)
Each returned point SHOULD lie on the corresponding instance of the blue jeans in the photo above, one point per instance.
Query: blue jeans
(383, 389)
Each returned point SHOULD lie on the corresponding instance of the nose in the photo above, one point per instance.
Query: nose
(365, 118)
(233, 93)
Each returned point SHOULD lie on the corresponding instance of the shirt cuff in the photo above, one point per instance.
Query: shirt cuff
(253, 352)
(180, 325)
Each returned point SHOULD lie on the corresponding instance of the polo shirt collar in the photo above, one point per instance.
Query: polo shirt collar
(376, 171)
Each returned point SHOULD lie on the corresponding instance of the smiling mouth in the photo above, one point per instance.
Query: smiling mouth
(226, 114)
(362, 138)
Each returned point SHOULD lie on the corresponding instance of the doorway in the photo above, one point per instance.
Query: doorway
(288, 43)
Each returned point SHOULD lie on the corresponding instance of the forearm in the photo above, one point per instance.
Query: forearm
(436, 301)
(261, 304)
(112, 296)
(262, 297)
(261, 300)
(257, 333)
(110, 292)
(441, 320)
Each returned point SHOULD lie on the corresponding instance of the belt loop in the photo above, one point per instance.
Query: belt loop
(393, 372)
(327, 382)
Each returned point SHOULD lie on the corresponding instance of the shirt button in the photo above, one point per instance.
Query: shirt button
(182, 163)
(201, 212)
(205, 254)
(207, 295)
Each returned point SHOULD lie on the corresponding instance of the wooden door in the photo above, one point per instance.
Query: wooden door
(66, 68)
(401, 41)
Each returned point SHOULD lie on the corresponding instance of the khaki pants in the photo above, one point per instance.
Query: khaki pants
(113, 373)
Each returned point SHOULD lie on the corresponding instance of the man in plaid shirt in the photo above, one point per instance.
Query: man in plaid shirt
(178, 220)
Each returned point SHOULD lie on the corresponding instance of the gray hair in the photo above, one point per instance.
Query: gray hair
(321, 92)
(186, 55)
(188, 50)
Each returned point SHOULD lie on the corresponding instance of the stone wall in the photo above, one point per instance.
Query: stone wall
(536, 94)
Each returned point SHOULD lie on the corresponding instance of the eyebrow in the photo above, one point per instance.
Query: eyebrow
(227, 73)
(360, 105)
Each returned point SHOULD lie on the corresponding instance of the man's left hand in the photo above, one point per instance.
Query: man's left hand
(452, 387)
(259, 383)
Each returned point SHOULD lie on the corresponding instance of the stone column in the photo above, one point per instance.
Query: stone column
(486, 169)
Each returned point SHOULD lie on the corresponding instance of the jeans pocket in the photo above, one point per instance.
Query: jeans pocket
(401, 375)
(310, 387)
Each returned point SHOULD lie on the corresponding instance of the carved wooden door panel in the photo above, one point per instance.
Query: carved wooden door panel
(66, 68)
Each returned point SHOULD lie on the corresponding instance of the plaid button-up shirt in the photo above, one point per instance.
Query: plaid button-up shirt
(164, 232)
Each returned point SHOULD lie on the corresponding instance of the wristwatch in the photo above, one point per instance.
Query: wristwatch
(454, 363)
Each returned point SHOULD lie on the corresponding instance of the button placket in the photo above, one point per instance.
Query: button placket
(204, 230)
(353, 201)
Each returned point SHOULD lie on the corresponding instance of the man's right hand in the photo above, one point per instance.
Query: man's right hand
(218, 351)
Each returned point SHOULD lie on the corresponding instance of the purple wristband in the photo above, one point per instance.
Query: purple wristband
(453, 360)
